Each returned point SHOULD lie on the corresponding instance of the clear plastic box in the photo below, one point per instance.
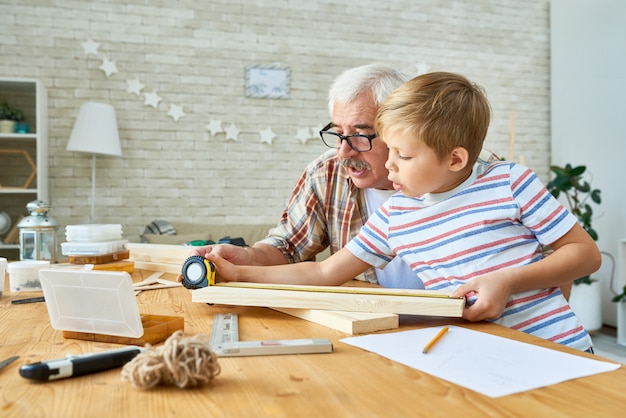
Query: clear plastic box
(93, 232)
(93, 248)
(24, 275)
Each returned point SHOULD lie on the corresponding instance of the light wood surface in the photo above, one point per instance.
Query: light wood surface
(349, 382)
(342, 298)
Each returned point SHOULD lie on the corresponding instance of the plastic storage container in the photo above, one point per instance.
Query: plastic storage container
(93, 248)
(93, 232)
(24, 275)
(3, 267)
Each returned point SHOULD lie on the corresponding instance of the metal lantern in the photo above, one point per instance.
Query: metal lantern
(38, 233)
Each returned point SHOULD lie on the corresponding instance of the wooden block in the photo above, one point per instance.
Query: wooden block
(348, 322)
(99, 259)
(334, 298)
(157, 328)
(124, 265)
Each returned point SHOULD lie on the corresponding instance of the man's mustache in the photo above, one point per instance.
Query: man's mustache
(356, 164)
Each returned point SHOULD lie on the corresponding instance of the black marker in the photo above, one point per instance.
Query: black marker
(28, 300)
(78, 365)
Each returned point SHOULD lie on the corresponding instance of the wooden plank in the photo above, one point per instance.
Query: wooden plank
(160, 267)
(159, 253)
(398, 301)
(348, 322)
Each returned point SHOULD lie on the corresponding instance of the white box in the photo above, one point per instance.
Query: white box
(24, 275)
(93, 248)
(93, 232)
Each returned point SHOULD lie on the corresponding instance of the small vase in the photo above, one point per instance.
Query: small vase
(22, 128)
(586, 302)
(7, 126)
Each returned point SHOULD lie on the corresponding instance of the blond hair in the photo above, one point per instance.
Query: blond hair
(444, 110)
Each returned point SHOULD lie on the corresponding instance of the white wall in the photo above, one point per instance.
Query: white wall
(194, 53)
(588, 46)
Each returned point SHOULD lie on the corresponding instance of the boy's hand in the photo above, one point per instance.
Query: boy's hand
(490, 293)
(225, 271)
(232, 253)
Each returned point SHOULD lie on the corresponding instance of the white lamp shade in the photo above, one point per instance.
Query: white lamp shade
(95, 130)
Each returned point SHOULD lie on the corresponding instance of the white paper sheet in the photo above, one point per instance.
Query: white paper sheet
(488, 364)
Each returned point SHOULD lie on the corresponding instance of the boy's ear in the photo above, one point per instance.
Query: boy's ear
(458, 159)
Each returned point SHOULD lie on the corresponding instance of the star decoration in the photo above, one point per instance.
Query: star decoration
(232, 132)
(304, 134)
(422, 68)
(267, 135)
(214, 126)
(176, 112)
(90, 47)
(134, 86)
(151, 99)
(108, 66)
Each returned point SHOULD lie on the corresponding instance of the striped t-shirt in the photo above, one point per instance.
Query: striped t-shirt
(500, 217)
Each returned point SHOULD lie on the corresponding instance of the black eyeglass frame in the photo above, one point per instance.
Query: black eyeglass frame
(346, 138)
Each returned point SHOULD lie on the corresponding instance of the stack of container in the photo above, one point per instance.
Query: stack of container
(97, 244)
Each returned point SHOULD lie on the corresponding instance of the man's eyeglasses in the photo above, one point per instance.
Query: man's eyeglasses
(358, 142)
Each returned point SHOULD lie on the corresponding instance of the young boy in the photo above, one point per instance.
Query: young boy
(474, 229)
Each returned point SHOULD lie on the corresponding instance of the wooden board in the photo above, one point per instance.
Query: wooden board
(160, 267)
(159, 253)
(156, 328)
(352, 299)
(348, 322)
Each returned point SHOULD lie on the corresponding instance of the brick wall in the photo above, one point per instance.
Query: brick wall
(194, 54)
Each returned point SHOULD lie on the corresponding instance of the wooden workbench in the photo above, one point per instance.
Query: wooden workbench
(348, 382)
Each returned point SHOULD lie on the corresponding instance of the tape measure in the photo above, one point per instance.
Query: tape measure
(225, 341)
(198, 272)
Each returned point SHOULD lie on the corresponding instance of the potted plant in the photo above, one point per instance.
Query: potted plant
(568, 182)
(9, 116)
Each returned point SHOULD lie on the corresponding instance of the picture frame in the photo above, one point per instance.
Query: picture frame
(267, 81)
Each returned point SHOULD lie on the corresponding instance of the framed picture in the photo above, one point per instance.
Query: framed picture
(267, 81)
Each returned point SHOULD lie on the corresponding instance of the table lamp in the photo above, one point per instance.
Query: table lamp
(95, 132)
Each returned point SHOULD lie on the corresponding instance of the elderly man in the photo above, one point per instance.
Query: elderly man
(337, 191)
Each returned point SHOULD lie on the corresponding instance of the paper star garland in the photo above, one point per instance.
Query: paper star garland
(176, 112)
(304, 134)
(267, 135)
(232, 132)
(108, 66)
(151, 99)
(90, 47)
(134, 86)
(215, 127)
(422, 68)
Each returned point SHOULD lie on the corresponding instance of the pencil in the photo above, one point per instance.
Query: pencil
(435, 339)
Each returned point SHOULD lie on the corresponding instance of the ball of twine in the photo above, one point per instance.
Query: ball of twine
(181, 361)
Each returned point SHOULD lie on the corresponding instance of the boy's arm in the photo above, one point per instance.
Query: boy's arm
(575, 255)
(335, 270)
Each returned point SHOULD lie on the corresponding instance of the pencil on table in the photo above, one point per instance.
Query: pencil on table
(435, 339)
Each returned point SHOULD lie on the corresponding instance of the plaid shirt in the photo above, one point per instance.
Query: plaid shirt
(325, 209)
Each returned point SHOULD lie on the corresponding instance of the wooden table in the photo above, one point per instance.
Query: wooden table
(348, 382)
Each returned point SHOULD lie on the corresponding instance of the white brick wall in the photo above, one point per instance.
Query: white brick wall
(194, 54)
